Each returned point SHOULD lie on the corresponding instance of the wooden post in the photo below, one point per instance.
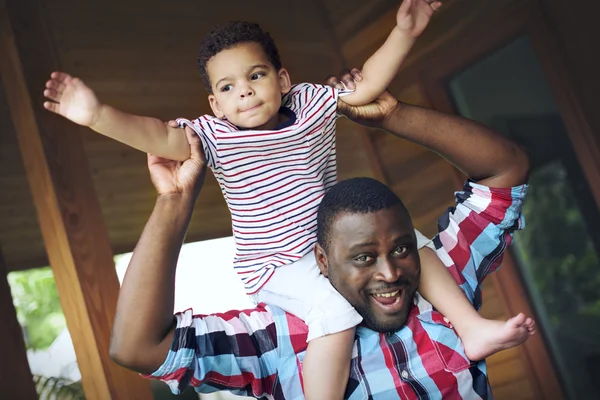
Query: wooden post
(68, 211)
(16, 381)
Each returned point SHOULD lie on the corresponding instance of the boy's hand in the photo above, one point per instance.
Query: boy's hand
(72, 99)
(371, 114)
(414, 15)
(174, 177)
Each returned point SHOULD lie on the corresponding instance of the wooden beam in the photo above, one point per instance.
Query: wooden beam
(16, 381)
(68, 211)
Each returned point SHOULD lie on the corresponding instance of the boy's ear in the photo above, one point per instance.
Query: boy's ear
(321, 258)
(284, 80)
(214, 105)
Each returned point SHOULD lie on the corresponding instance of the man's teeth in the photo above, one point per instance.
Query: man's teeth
(386, 294)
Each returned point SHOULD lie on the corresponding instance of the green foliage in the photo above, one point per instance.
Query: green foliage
(38, 308)
(57, 389)
(558, 248)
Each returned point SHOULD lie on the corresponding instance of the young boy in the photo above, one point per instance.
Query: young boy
(271, 147)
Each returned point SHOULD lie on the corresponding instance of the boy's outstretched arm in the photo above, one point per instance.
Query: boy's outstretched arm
(381, 68)
(72, 99)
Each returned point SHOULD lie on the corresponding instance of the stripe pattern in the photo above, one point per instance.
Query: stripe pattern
(260, 352)
(273, 181)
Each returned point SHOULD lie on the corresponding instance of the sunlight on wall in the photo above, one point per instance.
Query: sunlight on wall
(205, 281)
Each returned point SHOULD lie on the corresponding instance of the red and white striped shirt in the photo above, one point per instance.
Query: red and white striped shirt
(273, 181)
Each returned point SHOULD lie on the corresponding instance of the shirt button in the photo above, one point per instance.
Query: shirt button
(404, 374)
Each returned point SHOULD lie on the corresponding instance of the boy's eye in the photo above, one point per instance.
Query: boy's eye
(257, 75)
(226, 88)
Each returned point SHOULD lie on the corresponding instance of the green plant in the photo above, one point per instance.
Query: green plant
(51, 388)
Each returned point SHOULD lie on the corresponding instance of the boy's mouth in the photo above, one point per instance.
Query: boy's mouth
(251, 108)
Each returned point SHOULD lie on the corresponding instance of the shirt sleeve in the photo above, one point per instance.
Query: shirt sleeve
(473, 235)
(235, 351)
(208, 135)
(340, 93)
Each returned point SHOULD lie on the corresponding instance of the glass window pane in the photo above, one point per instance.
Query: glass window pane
(558, 251)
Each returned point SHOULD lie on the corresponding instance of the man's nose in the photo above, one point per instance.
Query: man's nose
(386, 271)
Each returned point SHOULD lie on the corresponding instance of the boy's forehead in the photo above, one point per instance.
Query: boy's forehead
(239, 57)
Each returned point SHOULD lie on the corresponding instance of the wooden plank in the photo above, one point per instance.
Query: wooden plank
(68, 211)
(16, 381)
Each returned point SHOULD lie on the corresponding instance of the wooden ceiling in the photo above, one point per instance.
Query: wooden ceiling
(140, 56)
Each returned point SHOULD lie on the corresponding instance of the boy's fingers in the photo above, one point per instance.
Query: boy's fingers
(61, 76)
(172, 124)
(56, 85)
(48, 105)
(51, 94)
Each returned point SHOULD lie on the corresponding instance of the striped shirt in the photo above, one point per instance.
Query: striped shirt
(259, 352)
(274, 180)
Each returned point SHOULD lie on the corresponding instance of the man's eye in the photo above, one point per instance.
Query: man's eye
(362, 258)
(257, 75)
(226, 88)
(400, 250)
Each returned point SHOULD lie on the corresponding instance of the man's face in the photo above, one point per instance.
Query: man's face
(374, 263)
(246, 87)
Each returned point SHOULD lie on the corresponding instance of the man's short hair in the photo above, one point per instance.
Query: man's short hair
(229, 35)
(356, 195)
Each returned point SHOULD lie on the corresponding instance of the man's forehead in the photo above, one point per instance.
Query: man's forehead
(393, 220)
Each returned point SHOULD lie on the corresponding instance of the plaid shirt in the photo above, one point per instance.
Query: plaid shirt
(259, 352)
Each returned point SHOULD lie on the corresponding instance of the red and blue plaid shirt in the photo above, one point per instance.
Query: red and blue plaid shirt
(259, 352)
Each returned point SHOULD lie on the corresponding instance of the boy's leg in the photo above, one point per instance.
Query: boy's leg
(481, 337)
(327, 366)
(300, 289)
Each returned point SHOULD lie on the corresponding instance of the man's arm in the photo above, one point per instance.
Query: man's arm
(213, 352)
(72, 99)
(479, 152)
(412, 18)
(144, 325)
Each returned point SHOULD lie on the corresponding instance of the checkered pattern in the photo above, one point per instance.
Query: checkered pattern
(259, 352)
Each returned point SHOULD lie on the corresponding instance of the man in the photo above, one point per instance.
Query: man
(367, 250)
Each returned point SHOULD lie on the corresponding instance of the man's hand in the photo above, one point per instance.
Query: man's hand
(174, 177)
(72, 99)
(371, 114)
(414, 16)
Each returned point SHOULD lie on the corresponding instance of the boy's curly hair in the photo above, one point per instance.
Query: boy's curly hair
(226, 36)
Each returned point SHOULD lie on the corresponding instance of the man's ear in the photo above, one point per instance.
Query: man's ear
(214, 105)
(321, 258)
(284, 80)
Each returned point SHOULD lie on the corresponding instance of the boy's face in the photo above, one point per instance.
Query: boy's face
(246, 87)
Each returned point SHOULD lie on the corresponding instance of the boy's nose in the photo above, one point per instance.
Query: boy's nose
(246, 90)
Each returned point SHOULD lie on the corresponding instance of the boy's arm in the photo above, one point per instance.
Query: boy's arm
(381, 68)
(75, 101)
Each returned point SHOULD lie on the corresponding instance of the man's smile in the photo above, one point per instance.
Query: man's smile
(390, 301)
